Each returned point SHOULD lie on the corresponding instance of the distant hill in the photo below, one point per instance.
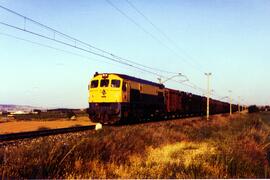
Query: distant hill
(13, 108)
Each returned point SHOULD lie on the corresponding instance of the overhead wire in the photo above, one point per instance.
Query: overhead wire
(190, 86)
(161, 32)
(85, 50)
(112, 58)
(76, 54)
(151, 35)
(134, 22)
(77, 41)
(52, 47)
(69, 52)
(198, 67)
(48, 46)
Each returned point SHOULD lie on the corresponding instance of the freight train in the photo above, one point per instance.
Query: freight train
(118, 98)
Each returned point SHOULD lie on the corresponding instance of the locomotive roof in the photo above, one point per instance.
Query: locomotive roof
(140, 80)
(135, 79)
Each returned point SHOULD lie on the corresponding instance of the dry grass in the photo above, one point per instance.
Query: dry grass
(224, 147)
(34, 125)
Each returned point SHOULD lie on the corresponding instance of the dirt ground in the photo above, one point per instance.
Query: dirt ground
(13, 126)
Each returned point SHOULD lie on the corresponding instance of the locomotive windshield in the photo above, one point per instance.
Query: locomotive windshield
(115, 83)
(104, 83)
(94, 83)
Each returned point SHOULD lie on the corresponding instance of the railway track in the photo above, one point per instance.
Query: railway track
(34, 134)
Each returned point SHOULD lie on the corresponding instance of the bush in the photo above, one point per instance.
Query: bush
(253, 109)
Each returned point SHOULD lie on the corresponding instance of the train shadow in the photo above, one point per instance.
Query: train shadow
(132, 122)
(135, 121)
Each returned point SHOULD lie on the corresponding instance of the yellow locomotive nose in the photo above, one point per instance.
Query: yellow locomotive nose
(105, 98)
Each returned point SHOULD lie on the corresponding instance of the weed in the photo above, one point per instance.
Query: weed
(236, 147)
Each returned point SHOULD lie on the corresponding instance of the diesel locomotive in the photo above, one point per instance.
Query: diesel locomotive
(118, 98)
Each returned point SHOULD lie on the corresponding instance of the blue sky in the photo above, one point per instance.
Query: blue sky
(229, 38)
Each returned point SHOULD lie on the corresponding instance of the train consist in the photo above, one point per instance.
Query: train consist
(116, 98)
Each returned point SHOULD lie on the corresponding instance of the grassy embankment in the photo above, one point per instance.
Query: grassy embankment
(221, 148)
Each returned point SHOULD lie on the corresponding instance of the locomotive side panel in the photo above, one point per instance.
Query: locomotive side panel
(146, 100)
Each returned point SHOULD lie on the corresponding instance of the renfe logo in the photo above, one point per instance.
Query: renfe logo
(103, 92)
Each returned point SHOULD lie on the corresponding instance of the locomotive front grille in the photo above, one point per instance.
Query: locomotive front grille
(104, 112)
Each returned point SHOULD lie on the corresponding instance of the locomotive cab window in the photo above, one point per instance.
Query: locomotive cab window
(115, 83)
(124, 87)
(104, 83)
(94, 84)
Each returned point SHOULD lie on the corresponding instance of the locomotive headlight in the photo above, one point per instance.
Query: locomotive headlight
(105, 75)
